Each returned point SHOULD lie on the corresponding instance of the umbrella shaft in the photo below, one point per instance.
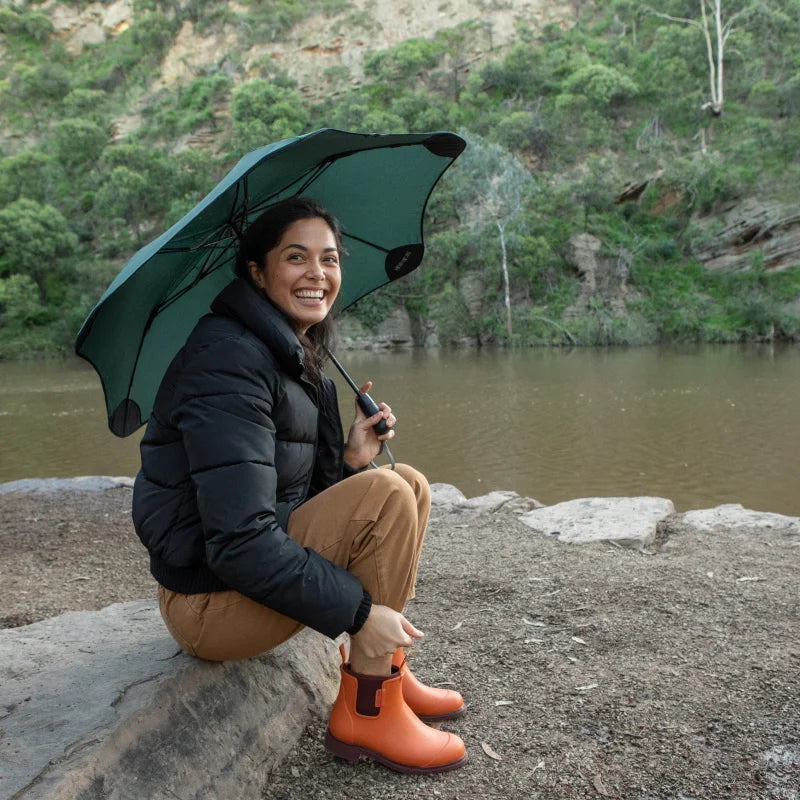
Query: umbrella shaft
(366, 403)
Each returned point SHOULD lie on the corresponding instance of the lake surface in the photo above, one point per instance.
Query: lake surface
(698, 425)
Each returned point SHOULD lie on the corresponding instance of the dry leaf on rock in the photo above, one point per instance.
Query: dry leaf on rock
(491, 753)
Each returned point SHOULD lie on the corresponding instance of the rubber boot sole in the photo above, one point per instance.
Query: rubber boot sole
(353, 752)
(428, 718)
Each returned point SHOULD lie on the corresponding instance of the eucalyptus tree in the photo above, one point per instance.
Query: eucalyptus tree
(492, 190)
(716, 27)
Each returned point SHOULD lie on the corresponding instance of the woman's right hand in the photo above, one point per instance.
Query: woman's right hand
(384, 631)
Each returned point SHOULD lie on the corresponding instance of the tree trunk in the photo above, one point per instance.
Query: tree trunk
(501, 229)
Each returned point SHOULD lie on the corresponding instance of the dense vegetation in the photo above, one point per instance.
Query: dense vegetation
(558, 122)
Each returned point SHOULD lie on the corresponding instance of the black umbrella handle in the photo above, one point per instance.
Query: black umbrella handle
(370, 407)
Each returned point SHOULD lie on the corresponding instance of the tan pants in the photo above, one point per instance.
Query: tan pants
(372, 524)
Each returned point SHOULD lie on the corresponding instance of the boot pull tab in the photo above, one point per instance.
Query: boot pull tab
(378, 698)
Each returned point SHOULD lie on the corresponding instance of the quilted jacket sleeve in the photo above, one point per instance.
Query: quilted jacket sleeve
(224, 412)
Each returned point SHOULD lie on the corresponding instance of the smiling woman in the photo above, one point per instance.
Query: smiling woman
(260, 518)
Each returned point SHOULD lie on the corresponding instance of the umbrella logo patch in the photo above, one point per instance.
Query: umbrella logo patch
(402, 260)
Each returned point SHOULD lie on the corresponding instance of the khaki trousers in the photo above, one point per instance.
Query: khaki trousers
(372, 524)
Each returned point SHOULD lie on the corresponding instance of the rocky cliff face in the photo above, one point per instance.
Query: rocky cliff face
(319, 43)
(753, 229)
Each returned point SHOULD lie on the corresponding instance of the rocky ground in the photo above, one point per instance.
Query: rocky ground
(590, 671)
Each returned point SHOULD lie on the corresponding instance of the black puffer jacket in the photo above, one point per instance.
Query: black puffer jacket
(237, 439)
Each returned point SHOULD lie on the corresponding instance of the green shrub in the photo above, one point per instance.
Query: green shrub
(78, 142)
(31, 24)
(373, 309)
(84, 103)
(27, 174)
(603, 86)
(265, 113)
(404, 61)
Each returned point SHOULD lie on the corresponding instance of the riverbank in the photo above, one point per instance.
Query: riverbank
(590, 671)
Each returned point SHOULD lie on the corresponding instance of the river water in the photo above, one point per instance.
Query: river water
(699, 425)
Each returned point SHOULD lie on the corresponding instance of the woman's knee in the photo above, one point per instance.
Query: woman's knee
(415, 479)
(392, 483)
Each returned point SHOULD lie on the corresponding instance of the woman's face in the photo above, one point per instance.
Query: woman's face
(301, 274)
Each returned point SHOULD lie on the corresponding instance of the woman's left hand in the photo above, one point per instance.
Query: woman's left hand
(363, 442)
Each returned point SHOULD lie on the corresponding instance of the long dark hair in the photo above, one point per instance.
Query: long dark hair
(261, 236)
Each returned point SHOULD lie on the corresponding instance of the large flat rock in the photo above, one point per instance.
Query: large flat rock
(733, 516)
(627, 521)
(103, 704)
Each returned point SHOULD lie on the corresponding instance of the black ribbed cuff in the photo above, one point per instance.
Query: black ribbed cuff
(348, 471)
(361, 615)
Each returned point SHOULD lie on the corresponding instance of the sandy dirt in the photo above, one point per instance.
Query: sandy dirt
(590, 671)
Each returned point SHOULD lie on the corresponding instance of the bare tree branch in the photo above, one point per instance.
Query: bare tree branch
(693, 22)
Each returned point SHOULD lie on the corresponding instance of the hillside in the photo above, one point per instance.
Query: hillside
(636, 210)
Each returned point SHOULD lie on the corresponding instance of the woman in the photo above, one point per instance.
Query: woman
(261, 519)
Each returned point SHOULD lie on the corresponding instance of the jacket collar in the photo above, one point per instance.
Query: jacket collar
(241, 301)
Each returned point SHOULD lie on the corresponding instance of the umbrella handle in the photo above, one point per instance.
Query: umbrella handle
(370, 407)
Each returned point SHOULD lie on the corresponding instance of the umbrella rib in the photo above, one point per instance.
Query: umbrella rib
(204, 271)
(365, 241)
(321, 168)
(233, 225)
(312, 175)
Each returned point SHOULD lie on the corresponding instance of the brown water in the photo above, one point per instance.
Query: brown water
(700, 425)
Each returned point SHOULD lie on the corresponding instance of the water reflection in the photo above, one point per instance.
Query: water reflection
(700, 425)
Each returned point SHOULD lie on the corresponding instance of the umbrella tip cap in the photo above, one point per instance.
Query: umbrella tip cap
(127, 418)
(447, 145)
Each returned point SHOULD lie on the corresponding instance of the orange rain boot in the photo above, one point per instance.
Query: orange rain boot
(370, 718)
(429, 704)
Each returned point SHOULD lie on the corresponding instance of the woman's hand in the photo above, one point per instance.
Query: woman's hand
(363, 442)
(384, 631)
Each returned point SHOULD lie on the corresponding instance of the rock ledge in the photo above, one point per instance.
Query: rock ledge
(103, 704)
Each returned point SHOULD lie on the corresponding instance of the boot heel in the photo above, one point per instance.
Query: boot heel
(349, 752)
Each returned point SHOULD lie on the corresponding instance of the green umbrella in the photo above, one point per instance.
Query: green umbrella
(377, 186)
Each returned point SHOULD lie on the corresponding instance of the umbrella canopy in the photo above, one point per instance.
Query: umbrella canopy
(377, 186)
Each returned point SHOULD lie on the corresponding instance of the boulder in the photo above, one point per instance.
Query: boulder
(104, 704)
(449, 498)
(446, 496)
(626, 521)
(733, 516)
